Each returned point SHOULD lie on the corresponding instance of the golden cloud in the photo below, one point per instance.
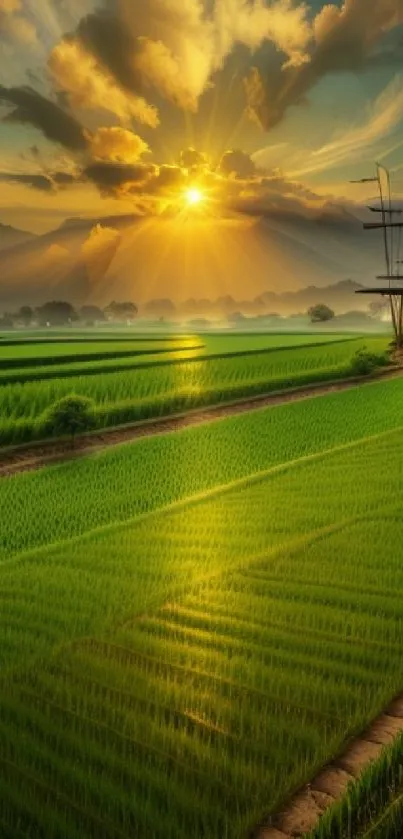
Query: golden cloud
(89, 86)
(117, 144)
(10, 6)
(346, 39)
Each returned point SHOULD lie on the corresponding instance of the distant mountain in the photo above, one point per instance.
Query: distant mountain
(12, 236)
(276, 263)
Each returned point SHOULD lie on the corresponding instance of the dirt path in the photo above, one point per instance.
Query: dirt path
(36, 455)
(306, 807)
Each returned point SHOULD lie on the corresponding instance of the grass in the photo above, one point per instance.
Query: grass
(216, 634)
(175, 386)
(372, 807)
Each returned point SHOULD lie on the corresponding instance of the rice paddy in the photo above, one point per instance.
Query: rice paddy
(185, 639)
(187, 373)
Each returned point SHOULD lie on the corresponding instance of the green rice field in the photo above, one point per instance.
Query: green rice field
(142, 379)
(191, 624)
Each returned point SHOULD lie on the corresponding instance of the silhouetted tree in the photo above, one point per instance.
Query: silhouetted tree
(121, 311)
(320, 313)
(26, 314)
(56, 313)
(71, 415)
(91, 314)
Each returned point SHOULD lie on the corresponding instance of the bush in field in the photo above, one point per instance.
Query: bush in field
(364, 362)
(320, 313)
(70, 416)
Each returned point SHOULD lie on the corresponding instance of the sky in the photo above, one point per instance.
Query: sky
(266, 107)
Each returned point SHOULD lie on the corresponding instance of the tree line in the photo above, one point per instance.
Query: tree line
(62, 313)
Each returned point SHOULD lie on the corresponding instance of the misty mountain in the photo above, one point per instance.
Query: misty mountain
(282, 262)
(12, 236)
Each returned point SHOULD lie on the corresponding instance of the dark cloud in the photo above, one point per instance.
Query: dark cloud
(350, 38)
(115, 178)
(191, 158)
(45, 182)
(105, 35)
(41, 182)
(238, 164)
(34, 109)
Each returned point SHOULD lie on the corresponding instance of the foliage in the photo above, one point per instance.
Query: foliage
(121, 311)
(364, 362)
(92, 314)
(26, 314)
(71, 415)
(320, 313)
(56, 313)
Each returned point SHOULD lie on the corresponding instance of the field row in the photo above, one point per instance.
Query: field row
(135, 478)
(201, 663)
(13, 372)
(175, 386)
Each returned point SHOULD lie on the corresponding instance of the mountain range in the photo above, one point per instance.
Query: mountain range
(279, 263)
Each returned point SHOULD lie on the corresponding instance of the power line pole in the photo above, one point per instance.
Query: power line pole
(392, 246)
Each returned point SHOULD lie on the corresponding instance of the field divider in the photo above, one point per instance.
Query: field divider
(301, 815)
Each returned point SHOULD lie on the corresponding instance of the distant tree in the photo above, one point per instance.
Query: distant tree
(236, 317)
(70, 416)
(377, 307)
(7, 322)
(121, 311)
(26, 314)
(163, 308)
(320, 313)
(56, 313)
(91, 314)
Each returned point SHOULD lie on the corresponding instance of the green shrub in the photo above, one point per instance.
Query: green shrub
(70, 416)
(364, 362)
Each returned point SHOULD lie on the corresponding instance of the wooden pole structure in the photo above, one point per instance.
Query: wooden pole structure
(392, 254)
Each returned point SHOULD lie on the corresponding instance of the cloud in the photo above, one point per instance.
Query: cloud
(282, 23)
(78, 73)
(117, 145)
(117, 178)
(19, 28)
(10, 6)
(15, 26)
(36, 181)
(235, 163)
(350, 144)
(173, 48)
(54, 122)
(192, 159)
(43, 181)
(346, 39)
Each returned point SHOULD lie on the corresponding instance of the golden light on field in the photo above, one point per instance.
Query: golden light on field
(193, 196)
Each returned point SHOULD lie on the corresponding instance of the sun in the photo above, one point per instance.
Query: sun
(193, 196)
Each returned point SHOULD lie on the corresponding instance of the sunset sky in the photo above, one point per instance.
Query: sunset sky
(263, 106)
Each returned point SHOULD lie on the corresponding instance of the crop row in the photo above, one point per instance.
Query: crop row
(86, 365)
(181, 675)
(128, 396)
(137, 477)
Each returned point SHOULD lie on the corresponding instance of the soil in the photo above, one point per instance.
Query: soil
(305, 808)
(36, 455)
